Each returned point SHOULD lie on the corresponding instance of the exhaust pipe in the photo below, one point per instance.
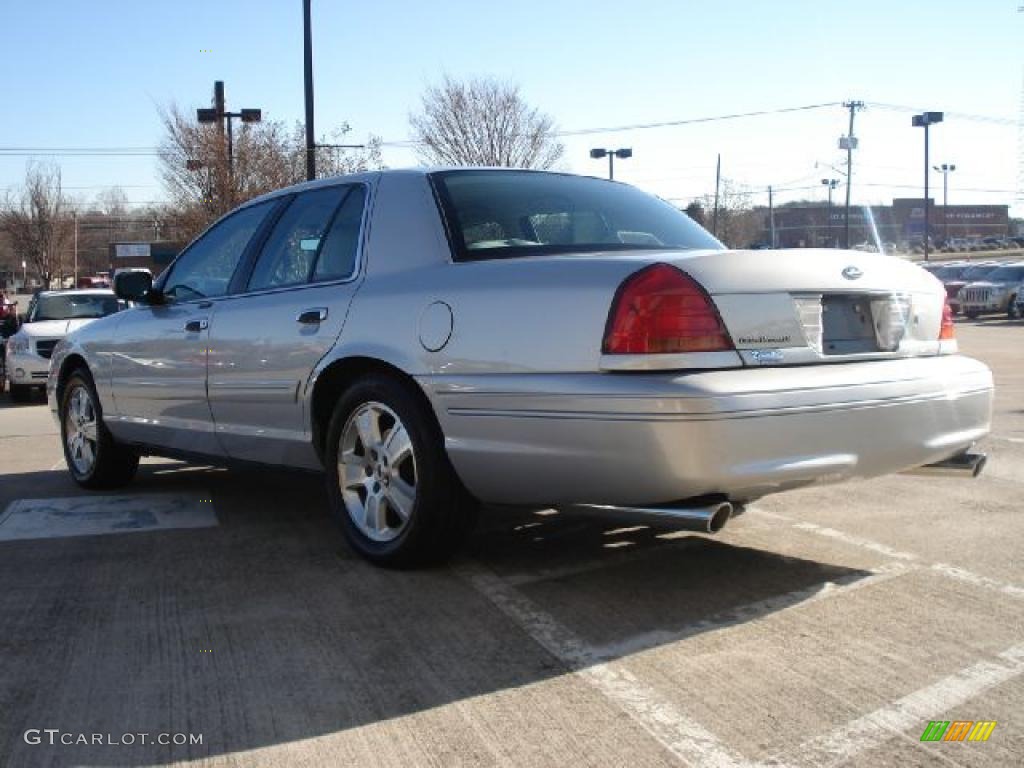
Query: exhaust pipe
(964, 464)
(705, 518)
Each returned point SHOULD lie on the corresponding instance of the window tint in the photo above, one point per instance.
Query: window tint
(501, 214)
(338, 255)
(290, 251)
(205, 269)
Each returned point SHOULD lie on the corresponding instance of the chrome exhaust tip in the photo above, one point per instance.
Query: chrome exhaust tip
(703, 518)
(964, 464)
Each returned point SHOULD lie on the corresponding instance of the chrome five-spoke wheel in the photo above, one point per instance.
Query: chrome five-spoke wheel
(80, 430)
(377, 471)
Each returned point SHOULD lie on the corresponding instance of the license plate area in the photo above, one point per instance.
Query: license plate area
(848, 325)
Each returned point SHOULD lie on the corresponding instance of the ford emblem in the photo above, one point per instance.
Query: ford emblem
(852, 273)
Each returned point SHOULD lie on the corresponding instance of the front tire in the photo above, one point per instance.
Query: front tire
(390, 483)
(94, 459)
(1011, 309)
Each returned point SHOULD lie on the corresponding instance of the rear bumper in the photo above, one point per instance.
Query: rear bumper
(657, 438)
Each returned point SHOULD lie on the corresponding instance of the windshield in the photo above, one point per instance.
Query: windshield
(978, 272)
(502, 214)
(950, 273)
(70, 306)
(1006, 275)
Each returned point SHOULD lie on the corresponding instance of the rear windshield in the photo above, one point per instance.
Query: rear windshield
(503, 214)
(69, 306)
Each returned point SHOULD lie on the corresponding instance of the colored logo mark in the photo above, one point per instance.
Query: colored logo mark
(958, 730)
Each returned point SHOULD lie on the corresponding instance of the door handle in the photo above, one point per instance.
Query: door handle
(312, 316)
(195, 326)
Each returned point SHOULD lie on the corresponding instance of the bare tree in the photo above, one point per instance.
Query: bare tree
(201, 184)
(483, 121)
(739, 223)
(37, 221)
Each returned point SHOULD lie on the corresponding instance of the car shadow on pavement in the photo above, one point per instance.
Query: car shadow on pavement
(267, 630)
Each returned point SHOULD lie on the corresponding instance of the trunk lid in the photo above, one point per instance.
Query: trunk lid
(788, 307)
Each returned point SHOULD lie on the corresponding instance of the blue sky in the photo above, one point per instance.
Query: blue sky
(94, 74)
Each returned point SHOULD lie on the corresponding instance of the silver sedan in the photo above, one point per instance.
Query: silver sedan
(433, 340)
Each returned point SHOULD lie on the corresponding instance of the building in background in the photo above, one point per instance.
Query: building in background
(807, 226)
(154, 256)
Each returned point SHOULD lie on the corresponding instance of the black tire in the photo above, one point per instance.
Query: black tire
(113, 465)
(972, 315)
(21, 393)
(443, 512)
(1011, 309)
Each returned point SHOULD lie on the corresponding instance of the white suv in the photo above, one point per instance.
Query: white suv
(51, 316)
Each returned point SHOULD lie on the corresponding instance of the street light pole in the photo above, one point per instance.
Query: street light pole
(945, 169)
(308, 62)
(622, 154)
(831, 184)
(220, 113)
(925, 120)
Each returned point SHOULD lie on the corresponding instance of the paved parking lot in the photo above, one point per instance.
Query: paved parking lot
(824, 627)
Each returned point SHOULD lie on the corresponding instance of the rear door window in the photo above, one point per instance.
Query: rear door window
(291, 250)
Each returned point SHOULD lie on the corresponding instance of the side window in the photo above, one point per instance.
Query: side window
(205, 269)
(290, 251)
(338, 256)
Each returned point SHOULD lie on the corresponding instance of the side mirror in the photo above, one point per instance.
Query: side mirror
(133, 286)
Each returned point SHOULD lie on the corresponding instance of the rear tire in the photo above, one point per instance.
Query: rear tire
(94, 458)
(390, 483)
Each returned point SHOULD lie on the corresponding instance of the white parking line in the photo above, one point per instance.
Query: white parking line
(910, 712)
(752, 611)
(966, 576)
(944, 569)
(685, 738)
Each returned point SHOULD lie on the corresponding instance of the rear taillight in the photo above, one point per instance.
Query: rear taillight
(660, 310)
(947, 330)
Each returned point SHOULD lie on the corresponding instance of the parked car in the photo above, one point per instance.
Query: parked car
(956, 276)
(432, 340)
(51, 315)
(996, 292)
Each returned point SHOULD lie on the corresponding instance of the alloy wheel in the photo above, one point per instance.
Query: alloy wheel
(80, 430)
(377, 471)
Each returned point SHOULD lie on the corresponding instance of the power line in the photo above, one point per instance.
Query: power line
(992, 119)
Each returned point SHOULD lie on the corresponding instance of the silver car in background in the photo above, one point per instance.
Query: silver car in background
(434, 340)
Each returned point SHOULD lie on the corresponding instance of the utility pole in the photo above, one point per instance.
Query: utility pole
(308, 56)
(718, 181)
(771, 216)
(74, 215)
(849, 143)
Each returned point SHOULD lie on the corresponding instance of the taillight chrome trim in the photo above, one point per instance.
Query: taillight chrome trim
(672, 361)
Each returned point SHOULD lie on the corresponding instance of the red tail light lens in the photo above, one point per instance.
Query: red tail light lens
(947, 330)
(661, 310)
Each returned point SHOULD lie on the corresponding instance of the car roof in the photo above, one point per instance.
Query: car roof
(79, 292)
